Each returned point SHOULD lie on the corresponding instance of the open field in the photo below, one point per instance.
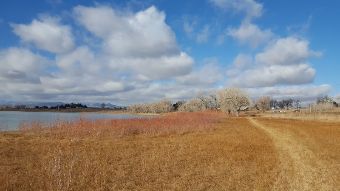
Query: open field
(308, 153)
(179, 151)
(330, 115)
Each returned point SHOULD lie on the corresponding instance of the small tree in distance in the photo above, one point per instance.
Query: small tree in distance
(233, 100)
(263, 103)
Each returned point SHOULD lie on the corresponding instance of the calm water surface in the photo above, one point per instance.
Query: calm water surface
(11, 120)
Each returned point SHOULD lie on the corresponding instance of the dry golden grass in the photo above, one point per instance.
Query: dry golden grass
(178, 151)
(178, 123)
(183, 151)
(310, 150)
(331, 115)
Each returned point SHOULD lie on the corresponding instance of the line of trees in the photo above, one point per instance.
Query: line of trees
(324, 103)
(229, 100)
(63, 106)
(266, 103)
(163, 106)
(327, 100)
(200, 103)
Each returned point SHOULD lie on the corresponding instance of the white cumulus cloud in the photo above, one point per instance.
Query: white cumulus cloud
(139, 44)
(285, 62)
(136, 58)
(206, 75)
(286, 51)
(144, 33)
(153, 68)
(251, 34)
(46, 34)
(20, 65)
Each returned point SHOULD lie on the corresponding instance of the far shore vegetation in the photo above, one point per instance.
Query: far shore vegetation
(67, 107)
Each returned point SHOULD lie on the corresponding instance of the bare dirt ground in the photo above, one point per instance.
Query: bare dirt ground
(301, 166)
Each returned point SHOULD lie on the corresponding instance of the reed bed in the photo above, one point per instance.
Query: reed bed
(172, 123)
(178, 151)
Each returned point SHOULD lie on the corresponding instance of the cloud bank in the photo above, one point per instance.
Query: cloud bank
(278, 67)
(46, 34)
(284, 62)
(136, 57)
(107, 54)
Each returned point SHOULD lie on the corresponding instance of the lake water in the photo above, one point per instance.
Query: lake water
(11, 120)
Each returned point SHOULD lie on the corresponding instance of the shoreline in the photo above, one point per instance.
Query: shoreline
(70, 110)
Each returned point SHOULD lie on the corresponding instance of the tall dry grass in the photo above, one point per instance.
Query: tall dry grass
(180, 151)
(172, 123)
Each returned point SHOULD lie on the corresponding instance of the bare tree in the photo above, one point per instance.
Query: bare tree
(324, 99)
(136, 108)
(177, 105)
(288, 103)
(193, 105)
(233, 100)
(337, 101)
(163, 106)
(263, 103)
(209, 101)
(297, 104)
(274, 104)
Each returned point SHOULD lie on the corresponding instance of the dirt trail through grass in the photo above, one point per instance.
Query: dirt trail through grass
(300, 167)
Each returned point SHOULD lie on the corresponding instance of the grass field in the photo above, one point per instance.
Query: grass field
(330, 115)
(180, 151)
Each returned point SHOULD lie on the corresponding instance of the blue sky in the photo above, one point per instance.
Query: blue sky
(141, 51)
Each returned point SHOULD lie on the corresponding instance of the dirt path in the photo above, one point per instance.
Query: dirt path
(300, 168)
